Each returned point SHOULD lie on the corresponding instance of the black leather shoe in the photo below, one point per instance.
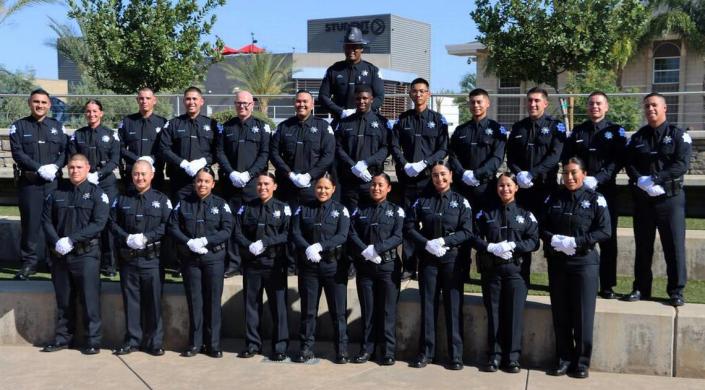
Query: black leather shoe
(579, 373)
(125, 350)
(215, 353)
(676, 300)
(54, 347)
(24, 273)
(387, 361)
(361, 358)
(230, 274)
(512, 367)
(191, 351)
(155, 351)
(277, 357)
(341, 358)
(304, 356)
(607, 293)
(291, 272)
(455, 365)
(175, 274)
(108, 273)
(559, 370)
(633, 296)
(420, 362)
(406, 275)
(351, 273)
(90, 350)
(248, 353)
(492, 366)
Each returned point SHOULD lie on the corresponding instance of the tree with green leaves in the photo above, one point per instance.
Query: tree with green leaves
(13, 108)
(261, 74)
(467, 84)
(8, 9)
(154, 43)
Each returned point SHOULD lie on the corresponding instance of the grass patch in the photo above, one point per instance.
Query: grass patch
(10, 211)
(690, 223)
(8, 273)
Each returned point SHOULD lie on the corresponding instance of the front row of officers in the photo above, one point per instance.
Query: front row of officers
(441, 224)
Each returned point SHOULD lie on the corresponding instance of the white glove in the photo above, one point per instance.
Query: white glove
(196, 165)
(186, 166)
(436, 248)
(366, 176)
(234, 177)
(655, 190)
(194, 245)
(64, 245)
(556, 241)
(494, 248)
(304, 180)
(590, 182)
(148, 159)
(414, 169)
(313, 252)
(470, 179)
(525, 179)
(202, 250)
(409, 169)
(358, 168)
(369, 253)
(294, 178)
(507, 246)
(376, 260)
(140, 240)
(347, 112)
(131, 241)
(93, 178)
(569, 243)
(256, 248)
(48, 172)
(506, 255)
(644, 182)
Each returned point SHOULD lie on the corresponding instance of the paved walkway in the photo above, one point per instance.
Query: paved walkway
(27, 368)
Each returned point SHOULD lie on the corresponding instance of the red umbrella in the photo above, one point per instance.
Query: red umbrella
(251, 49)
(227, 50)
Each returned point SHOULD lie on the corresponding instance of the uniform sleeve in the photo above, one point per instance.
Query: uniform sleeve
(174, 227)
(99, 218)
(127, 155)
(411, 225)
(327, 154)
(453, 150)
(324, 94)
(260, 162)
(440, 148)
(629, 163)
(225, 229)
(569, 149)
(382, 151)
(513, 151)
(395, 239)
(552, 158)
(118, 232)
(238, 234)
(220, 155)
(341, 232)
(678, 164)
(464, 231)
(60, 160)
(282, 235)
(275, 155)
(611, 167)
(165, 144)
(530, 236)
(296, 232)
(479, 233)
(377, 89)
(210, 157)
(600, 229)
(48, 224)
(489, 168)
(395, 143)
(353, 237)
(340, 149)
(113, 156)
(18, 154)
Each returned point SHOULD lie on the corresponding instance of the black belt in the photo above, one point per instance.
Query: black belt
(150, 250)
(79, 248)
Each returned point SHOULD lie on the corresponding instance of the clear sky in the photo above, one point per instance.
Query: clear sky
(278, 25)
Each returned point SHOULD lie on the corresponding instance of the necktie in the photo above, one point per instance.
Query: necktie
(360, 138)
(241, 144)
(200, 220)
(194, 153)
(418, 132)
(261, 221)
(321, 213)
(441, 205)
(299, 153)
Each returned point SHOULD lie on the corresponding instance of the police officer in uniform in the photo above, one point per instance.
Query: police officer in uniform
(575, 219)
(657, 158)
(600, 144)
(102, 147)
(138, 138)
(503, 231)
(320, 231)
(138, 221)
(38, 146)
(261, 230)
(375, 233)
(533, 152)
(441, 223)
(419, 137)
(337, 91)
(73, 217)
(201, 225)
(302, 150)
(242, 150)
(187, 144)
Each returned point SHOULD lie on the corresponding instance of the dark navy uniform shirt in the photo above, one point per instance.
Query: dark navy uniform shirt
(477, 146)
(419, 137)
(581, 214)
(601, 146)
(139, 136)
(377, 224)
(243, 146)
(302, 147)
(145, 213)
(662, 153)
(508, 222)
(536, 147)
(324, 223)
(268, 222)
(36, 143)
(362, 136)
(77, 212)
(183, 138)
(447, 215)
(101, 145)
(194, 217)
(337, 91)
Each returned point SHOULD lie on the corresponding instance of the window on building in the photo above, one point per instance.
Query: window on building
(508, 108)
(666, 77)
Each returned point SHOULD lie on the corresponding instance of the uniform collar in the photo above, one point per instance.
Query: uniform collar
(84, 186)
(660, 129)
(601, 125)
(482, 123)
(509, 206)
(307, 121)
(324, 204)
(446, 194)
(540, 120)
(423, 114)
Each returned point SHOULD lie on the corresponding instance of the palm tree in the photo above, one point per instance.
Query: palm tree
(685, 18)
(70, 43)
(8, 9)
(261, 74)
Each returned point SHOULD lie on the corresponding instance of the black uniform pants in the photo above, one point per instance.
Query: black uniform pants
(444, 279)
(204, 288)
(31, 201)
(608, 247)
(295, 197)
(504, 294)
(378, 291)
(573, 290)
(257, 279)
(326, 277)
(233, 261)
(410, 193)
(532, 199)
(667, 214)
(77, 277)
(141, 295)
(107, 258)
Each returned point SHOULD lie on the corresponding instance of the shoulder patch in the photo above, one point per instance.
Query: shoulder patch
(13, 129)
(466, 203)
(168, 204)
(444, 120)
(330, 129)
(287, 211)
(166, 125)
(478, 215)
(503, 130)
(267, 129)
(220, 128)
(345, 212)
(601, 201)
(105, 199)
(415, 203)
(121, 124)
(298, 211)
(532, 218)
(687, 139)
(115, 203)
(226, 208)
(241, 210)
(356, 211)
(401, 212)
(622, 132)
(391, 123)
(560, 127)
(178, 206)
(545, 201)
(116, 136)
